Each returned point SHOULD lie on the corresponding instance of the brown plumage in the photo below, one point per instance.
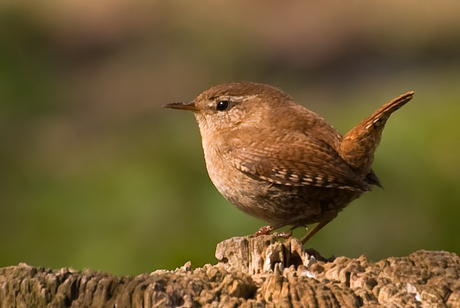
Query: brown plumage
(281, 162)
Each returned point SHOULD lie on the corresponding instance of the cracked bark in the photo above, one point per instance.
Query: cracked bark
(251, 272)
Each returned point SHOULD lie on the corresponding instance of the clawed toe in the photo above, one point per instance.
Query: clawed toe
(284, 234)
(265, 230)
(268, 229)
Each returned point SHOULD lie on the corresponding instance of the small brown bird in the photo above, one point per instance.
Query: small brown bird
(279, 161)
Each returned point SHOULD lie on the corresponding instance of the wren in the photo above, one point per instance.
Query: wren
(279, 161)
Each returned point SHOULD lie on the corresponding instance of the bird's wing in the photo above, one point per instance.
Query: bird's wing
(309, 163)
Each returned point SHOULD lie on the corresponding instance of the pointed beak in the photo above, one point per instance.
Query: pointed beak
(183, 106)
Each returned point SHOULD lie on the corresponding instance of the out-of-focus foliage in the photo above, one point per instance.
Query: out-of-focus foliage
(94, 173)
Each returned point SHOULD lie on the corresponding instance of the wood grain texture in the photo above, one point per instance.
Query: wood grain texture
(252, 272)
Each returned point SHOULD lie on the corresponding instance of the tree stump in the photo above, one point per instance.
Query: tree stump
(251, 272)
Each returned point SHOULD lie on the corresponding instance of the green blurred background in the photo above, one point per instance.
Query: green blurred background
(95, 174)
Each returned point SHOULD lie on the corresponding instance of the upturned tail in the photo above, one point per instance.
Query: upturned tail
(359, 144)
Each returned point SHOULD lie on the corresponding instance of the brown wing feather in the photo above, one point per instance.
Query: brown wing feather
(312, 162)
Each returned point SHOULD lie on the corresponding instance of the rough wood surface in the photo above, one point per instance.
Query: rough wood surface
(252, 272)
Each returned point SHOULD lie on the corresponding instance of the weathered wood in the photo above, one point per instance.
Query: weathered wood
(252, 272)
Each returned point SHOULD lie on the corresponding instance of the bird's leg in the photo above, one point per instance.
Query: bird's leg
(313, 231)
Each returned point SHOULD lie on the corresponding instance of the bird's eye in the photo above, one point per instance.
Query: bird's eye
(223, 105)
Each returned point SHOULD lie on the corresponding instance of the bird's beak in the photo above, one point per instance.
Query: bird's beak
(183, 106)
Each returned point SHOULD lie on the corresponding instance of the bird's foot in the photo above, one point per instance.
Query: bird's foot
(268, 229)
(284, 234)
(265, 230)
